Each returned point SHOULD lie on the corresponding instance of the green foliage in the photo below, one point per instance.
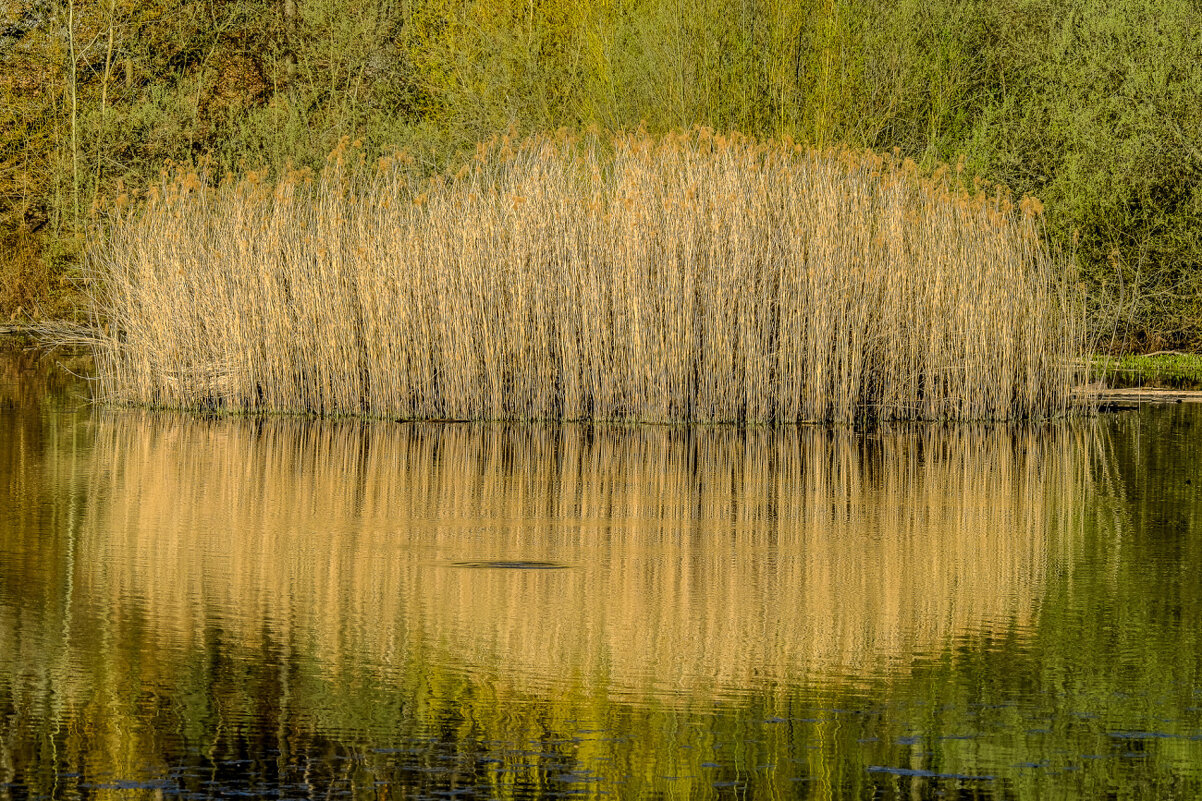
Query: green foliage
(1174, 370)
(1095, 107)
(1104, 127)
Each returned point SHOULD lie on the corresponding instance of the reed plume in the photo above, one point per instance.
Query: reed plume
(689, 277)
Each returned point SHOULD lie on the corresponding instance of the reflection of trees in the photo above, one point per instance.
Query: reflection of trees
(44, 441)
(1134, 598)
(1115, 660)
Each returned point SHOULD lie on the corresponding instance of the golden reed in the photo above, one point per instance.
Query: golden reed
(688, 277)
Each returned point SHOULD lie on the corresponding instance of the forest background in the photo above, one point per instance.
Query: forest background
(1094, 106)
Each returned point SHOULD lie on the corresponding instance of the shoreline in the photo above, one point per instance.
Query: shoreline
(64, 330)
(1123, 398)
(1109, 398)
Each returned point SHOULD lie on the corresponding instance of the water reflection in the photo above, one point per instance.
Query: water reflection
(697, 562)
(215, 607)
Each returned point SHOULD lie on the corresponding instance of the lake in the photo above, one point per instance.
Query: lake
(293, 608)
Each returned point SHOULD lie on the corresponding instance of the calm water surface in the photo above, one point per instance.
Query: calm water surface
(297, 609)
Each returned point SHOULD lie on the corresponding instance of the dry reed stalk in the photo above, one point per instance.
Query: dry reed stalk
(691, 277)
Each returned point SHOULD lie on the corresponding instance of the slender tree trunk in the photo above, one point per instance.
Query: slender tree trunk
(104, 90)
(74, 112)
(823, 44)
(289, 17)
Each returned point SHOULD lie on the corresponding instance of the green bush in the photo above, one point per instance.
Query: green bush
(1104, 125)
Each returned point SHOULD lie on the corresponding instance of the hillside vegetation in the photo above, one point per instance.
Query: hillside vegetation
(1095, 107)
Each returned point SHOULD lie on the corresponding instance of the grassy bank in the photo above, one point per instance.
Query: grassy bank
(1165, 370)
(678, 278)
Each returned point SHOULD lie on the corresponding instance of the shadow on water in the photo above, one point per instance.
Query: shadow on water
(503, 564)
(199, 607)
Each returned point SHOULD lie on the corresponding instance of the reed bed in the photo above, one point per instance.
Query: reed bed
(690, 277)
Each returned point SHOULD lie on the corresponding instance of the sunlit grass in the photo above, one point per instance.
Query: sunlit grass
(690, 277)
(1171, 370)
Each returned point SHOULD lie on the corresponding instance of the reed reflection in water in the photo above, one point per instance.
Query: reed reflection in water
(692, 563)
